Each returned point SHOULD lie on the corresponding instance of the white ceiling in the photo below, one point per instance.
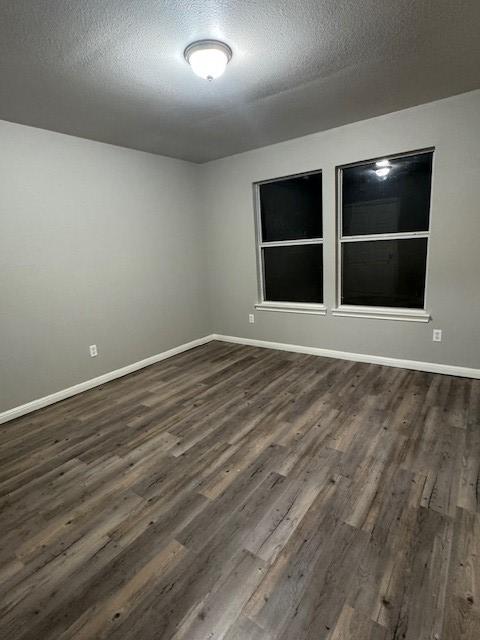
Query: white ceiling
(113, 70)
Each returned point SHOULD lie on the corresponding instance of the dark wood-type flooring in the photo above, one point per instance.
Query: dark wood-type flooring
(239, 493)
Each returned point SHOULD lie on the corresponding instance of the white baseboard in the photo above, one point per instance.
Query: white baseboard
(431, 367)
(16, 412)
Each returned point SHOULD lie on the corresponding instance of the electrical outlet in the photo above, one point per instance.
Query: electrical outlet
(251, 318)
(437, 335)
(93, 350)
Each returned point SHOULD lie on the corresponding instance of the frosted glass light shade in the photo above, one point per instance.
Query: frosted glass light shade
(208, 58)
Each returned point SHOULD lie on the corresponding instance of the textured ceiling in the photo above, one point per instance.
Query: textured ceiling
(113, 70)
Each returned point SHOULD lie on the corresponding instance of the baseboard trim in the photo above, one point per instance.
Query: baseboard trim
(430, 367)
(23, 409)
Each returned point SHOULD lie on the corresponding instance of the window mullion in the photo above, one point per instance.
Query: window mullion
(291, 243)
(386, 236)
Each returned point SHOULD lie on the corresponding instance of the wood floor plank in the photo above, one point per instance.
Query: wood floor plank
(462, 618)
(239, 493)
(352, 625)
(96, 622)
(213, 616)
(243, 628)
(413, 590)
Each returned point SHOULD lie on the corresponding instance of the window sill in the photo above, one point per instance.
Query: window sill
(379, 313)
(292, 307)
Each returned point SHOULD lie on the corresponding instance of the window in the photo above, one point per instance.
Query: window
(290, 243)
(384, 222)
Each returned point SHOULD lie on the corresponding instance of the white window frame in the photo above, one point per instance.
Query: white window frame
(380, 313)
(285, 307)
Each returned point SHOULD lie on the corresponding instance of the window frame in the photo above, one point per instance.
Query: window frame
(372, 312)
(284, 306)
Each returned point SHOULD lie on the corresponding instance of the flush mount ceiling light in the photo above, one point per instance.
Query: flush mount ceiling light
(208, 58)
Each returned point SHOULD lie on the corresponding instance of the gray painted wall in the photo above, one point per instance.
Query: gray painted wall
(98, 245)
(452, 126)
(138, 253)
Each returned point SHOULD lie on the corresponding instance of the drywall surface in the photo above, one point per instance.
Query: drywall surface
(98, 245)
(138, 253)
(452, 126)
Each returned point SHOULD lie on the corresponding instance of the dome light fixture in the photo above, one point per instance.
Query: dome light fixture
(208, 58)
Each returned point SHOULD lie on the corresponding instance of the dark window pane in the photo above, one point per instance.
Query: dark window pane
(291, 209)
(384, 273)
(396, 202)
(293, 274)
